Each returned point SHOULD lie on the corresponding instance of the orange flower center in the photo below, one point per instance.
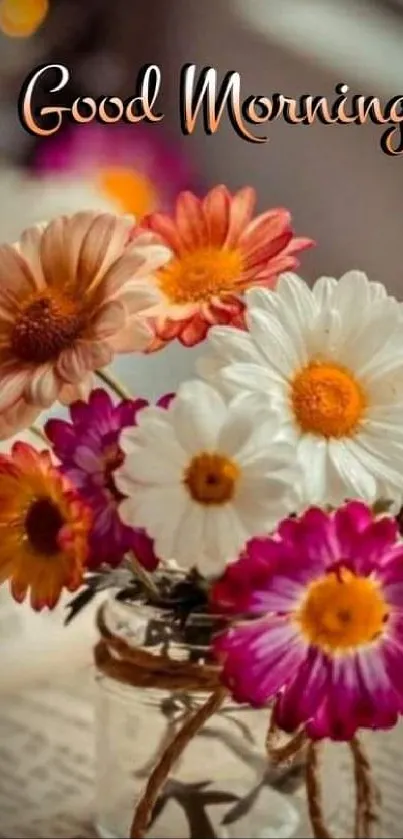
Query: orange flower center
(342, 611)
(327, 400)
(211, 478)
(133, 191)
(46, 324)
(43, 523)
(201, 274)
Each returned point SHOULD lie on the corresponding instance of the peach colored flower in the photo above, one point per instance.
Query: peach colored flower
(219, 250)
(72, 294)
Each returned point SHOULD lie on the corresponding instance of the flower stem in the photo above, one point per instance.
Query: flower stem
(113, 384)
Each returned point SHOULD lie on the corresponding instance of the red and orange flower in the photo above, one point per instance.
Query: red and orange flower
(44, 527)
(219, 250)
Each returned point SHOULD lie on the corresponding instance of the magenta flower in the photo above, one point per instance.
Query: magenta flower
(324, 634)
(89, 451)
(130, 166)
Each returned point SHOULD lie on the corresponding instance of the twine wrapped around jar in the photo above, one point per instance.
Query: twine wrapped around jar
(120, 661)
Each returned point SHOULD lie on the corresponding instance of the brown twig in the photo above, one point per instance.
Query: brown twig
(366, 793)
(137, 667)
(159, 776)
(287, 752)
(314, 793)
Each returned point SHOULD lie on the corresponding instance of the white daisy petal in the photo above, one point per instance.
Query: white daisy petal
(330, 361)
(313, 456)
(323, 291)
(274, 343)
(198, 412)
(185, 469)
(358, 482)
(249, 376)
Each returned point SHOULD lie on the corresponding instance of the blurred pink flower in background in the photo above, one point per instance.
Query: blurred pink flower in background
(130, 165)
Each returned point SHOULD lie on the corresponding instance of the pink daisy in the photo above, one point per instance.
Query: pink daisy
(219, 250)
(324, 638)
(89, 451)
(130, 166)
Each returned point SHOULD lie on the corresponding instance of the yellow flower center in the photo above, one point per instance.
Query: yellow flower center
(43, 524)
(342, 611)
(201, 274)
(327, 400)
(21, 18)
(46, 324)
(133, 191)
(211, 478)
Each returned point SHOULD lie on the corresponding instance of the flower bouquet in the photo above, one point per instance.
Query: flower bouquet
(248, 524)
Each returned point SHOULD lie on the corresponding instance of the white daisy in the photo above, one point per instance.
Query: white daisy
(204, 476)
(331, 360)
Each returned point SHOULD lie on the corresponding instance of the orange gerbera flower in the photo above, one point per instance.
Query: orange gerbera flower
(44, 527)
(219, 251)
(71, 295)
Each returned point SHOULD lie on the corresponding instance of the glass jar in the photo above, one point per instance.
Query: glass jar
(222, 786)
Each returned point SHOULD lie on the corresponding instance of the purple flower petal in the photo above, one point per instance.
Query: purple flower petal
(359, 695)
(143, 549)
(303, 696)
(373, 545)
(62, 436)
(349, 521)
(165, 401)
(258, 658)
(126, 412)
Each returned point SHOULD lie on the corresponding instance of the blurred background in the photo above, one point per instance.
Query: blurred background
(341, 189)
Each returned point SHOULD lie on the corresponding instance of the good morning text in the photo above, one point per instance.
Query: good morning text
(203, 98)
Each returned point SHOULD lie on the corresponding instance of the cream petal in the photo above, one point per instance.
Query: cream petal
(80, 390)
(13, 381)
(43, 386)
(135, 337)
(104, 244)
(74, 364)
(29, 246)
(17, 417)
(77, 250)
(142, 292)
(16, 276)
(152, 255)
(137, 295)
(108, 320)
